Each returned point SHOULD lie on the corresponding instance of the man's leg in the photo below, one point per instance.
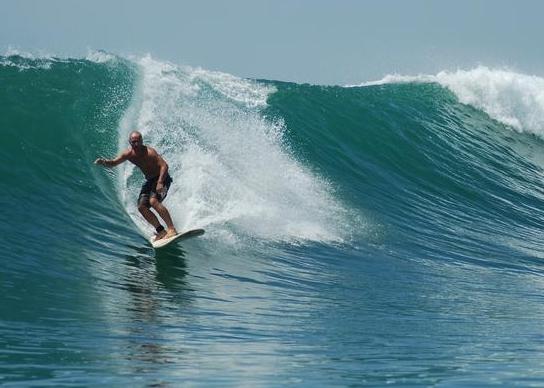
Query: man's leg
(165, 215)
(150, 217)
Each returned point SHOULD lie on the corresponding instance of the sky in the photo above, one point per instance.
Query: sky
(315, 41)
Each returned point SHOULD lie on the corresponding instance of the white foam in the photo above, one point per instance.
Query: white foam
(397, 79)
(44, 60)
(39, 61)
(11, 51)
(233, 174)
(512, 98)
(100, 56)
(245, 91)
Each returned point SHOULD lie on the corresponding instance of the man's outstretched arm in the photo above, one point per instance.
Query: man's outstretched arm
(113, 162)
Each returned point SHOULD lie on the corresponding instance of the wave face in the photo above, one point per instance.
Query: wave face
(378, 234)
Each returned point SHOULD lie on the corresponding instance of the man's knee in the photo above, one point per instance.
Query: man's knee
(143, 205)
(154, 202)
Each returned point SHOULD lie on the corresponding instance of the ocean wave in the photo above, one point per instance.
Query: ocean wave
(514, 99)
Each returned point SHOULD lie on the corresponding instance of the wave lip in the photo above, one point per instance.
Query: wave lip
(514, 99)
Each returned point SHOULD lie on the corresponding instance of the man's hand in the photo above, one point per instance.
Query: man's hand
(113, 162)
(160, 188)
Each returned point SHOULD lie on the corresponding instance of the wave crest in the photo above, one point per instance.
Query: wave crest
(512, 98)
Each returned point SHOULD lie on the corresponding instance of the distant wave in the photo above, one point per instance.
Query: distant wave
(514, 99)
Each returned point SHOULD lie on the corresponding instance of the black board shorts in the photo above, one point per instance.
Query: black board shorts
(149, 189)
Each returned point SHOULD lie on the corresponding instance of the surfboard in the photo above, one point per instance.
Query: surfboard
(163, 242)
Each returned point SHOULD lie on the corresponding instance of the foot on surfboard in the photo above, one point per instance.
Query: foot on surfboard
(176, 237)
(171, 233)
(158, 236)
(164, 234)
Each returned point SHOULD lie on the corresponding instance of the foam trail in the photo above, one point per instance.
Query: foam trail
(232, 171)
(511, 98)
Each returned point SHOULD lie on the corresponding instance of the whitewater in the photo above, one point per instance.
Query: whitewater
(381, 233)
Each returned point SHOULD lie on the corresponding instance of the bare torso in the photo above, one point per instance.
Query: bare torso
(147, 159)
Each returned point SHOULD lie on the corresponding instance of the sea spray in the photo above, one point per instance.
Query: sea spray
(233, 171)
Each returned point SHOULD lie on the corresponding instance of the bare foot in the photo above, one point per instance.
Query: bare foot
(160, 235)
(171, 233)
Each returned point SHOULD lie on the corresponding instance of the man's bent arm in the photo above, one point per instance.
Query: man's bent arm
(163, 172)
(114, 162)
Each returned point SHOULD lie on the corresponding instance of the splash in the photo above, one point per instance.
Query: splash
(233, 171)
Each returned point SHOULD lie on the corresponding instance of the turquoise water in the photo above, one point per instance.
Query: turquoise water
(387, 233)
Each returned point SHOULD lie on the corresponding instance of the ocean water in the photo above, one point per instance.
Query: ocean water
(378, 234)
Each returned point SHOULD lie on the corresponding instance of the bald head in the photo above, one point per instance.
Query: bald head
(135, 139)
(134, 134)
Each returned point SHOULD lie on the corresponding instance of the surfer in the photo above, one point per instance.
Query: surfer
(156, 185)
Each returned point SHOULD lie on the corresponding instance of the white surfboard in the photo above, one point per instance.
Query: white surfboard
(178, 237)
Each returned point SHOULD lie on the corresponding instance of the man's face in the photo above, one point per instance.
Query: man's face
(135, 141)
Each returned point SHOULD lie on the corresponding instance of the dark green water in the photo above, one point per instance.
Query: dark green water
(373, 235)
